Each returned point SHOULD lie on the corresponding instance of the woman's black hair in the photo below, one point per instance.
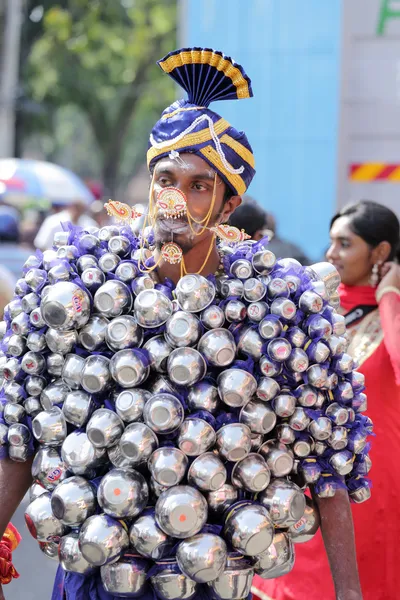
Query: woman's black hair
(374, 223)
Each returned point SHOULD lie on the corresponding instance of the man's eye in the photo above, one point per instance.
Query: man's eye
(199, 186)
(164, 181)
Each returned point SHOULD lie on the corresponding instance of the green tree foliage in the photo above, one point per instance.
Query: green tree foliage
(99, 56)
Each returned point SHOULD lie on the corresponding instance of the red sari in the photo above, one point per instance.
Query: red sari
(376, 345)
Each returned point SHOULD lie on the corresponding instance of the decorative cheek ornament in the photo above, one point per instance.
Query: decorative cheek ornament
(230, 234)
(171, 203)
(172, 253)
(121, 211)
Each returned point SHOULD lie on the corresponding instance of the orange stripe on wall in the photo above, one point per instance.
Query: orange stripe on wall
(365, 172)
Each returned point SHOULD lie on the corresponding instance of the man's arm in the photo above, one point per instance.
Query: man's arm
(338, 534)
(15, 479)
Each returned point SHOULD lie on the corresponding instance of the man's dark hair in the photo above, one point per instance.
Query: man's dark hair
(249, 216)
(373, 222)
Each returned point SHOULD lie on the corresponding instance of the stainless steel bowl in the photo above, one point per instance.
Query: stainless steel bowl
(49, 427)
(41, 522)
(159, 350)
(78, 407)
(182, 329)
(152, 308)
(195, 436)
(70, 556)
(236, 387)
(203, 396)
(220, 500)
(123, 493)
(207, 472)
(305, 529)
(147, 538)
(102, 540)
(123, 332)
(137, 443)
(93, 334)
(163, 413)
(129, 368)
(251, 473)
(181, 511)
(202, 557)
(168, 466)
(48, 468)
(258, 416)
(249, 528)
(79, 454)
(105, 428)
(126, 578)
(65, 306)
(285, 502)
(233, 441)
(186, 366)
(194, 293)
(129, 404)
(54, 394)
(278, 559)
(95, 375)
(171, 585)
(218, 347)
(73, 501)
(113, 299)
(278, 458)
(234, 583)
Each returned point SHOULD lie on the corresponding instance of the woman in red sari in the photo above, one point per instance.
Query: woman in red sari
(364, 241)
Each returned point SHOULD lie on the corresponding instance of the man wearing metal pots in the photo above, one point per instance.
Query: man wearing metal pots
(171, 397)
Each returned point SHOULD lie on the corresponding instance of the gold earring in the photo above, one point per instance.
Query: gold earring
(374, 279)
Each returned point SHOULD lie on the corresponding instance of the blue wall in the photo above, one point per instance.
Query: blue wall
(291, 51)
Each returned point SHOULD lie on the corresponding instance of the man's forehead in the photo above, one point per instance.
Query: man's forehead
(190, 163)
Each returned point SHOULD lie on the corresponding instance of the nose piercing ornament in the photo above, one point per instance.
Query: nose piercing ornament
(171, 202)
(230, 234)
(121, 211)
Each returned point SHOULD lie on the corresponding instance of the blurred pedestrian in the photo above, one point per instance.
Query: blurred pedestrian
(12, 254)
(75, 213)
(364, 239)
(251, 217)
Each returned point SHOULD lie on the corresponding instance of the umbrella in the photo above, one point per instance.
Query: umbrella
(22, 180)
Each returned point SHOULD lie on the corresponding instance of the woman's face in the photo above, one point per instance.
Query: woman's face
(350, 254)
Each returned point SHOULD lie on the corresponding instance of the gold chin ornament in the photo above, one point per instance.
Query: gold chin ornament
(172, 253)
(121, 211)
(230, 234)
(171, 203)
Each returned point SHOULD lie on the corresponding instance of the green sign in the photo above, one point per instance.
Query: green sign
(385, 14)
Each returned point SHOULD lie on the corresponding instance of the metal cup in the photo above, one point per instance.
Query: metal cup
(298, 360)
(36, 342)
(152, 308)
(13, 413)
(338, 438)
(186, 366)
(93, 278)
(147, 538)
(283, 307)
(285, 501)
(250, 343)
(108, 262)
(138, 443)
(86, 261)
(258, 416)
(338, 324)
(241, 268)
(159, 350)
(129, 368)
(72, 370)
(113, 299)
(35, 278)
(278, 559)
(194, 293)
(320, 428)
(305, 529)
(49, 427)
(248, 528)
(173, 585)
(34, 385)
(119, 244)
(65, 306)
(126, 271)
(13, 392)
(342, 462)
(78, 407)
(326, 272)
(182, 329)
(236, 387)
(207, 473)
(142, 282)
(20, 325)
(102, 540)
(61, 341)
(256, 311)
(196, 436)
(88, 242)
(251, 473)
(123, 332)
(270, 368)
(60, 272)
(168, 466)
(41, 522)
(73, 501)
(278, 457)
(202, 557)
(123, 493)
(338, 414)
(163, 413)
(233, 441)
(212, 317)
(232, 288)
(234, 583)
(16, 345)
(33, 363)
(303, 447)
(317, 376)
(105, 428)
(235, 310)
(79, 454)
(54, 394)
(267, 389)
(55, 363)
(70, 556)
(218, 347)
(32, 406)
(93, 334)
(263, 261)
(279, 349)
(299, 419)
(310, 302)
(360, 494)
(254, 290)
(18, 434)
(278, 288)
(11, 369)
(95, 375)
(284, 404)
(221, 499)
(129, 404)
(203, 396)
(285, 434)
(107, 232)
(181, 511)
(35, 491)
